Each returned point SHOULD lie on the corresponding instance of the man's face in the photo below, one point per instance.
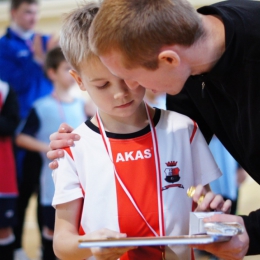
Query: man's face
(25, 16)
(164, 79)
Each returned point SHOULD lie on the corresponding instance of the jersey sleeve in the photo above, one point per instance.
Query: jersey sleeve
(66, 181)
(204, 165)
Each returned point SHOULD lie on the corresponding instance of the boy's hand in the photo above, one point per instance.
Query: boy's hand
(108, 253)
(62, 138)
(210, 201)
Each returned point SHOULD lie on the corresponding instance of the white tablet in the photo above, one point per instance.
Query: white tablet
(153, 241)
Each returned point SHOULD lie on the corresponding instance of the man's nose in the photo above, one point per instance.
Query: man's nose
(131, 84)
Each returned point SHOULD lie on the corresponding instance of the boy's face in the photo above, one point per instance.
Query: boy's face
(61, 76)
(25, 16)
(166, 78)
(110, 93)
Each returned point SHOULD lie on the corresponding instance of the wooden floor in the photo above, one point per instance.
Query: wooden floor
(249, 200)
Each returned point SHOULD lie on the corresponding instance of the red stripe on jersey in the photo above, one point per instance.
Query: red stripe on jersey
(135, 164)
(195, 127)
(67, 149)
(194, 206)
(192, 254)
(80, 229)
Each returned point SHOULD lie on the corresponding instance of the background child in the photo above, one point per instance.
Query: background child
(9, 119)
(22, 54)
(46, 115)
(129, 172)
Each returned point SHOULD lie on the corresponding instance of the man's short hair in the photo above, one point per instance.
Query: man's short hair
(53, 59)
(140, 28)
(16, 3)
(74, 34)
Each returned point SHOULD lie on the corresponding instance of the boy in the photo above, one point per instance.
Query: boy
(128, 174)
(46, 115)
(9, 119)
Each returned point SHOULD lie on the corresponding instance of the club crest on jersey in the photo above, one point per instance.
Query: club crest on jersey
(172, 175)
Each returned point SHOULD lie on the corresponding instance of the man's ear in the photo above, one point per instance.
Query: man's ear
(169, 57)
(78, 79)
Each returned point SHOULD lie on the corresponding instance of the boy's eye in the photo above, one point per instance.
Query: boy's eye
(103, 86)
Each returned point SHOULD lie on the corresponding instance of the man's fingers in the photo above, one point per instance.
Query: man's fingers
(52, 155)
(65, 128)
(53, 165)
(224, 218)
(226, 208)
(59, 144)
(62, 137)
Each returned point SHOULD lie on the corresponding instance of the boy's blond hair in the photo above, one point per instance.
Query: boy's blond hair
(74, 34)
(139, 29)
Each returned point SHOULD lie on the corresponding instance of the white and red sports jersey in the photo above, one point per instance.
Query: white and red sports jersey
(184, 160)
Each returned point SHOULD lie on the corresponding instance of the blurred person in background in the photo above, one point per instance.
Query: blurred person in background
(22, 53)
(9, 119)
(233, 174)
(44, 118)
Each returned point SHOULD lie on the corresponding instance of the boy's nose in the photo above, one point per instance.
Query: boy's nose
(131, 84)
(123, 92)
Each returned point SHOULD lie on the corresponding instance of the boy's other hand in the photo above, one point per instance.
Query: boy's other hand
(108, 253)
(62, 138)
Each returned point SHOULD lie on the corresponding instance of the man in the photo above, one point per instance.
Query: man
(22, 52)
(209, 59)
(214, 54)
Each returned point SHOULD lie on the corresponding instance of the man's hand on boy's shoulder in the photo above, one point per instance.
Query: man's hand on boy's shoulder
(58, 140)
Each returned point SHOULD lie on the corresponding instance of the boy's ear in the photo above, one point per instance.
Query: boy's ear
(169, 57)
(78, 79)
(51, 74)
